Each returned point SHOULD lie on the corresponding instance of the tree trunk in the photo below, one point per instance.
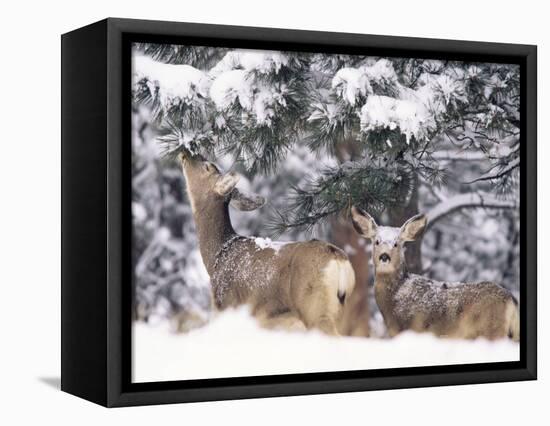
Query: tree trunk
(356, 312)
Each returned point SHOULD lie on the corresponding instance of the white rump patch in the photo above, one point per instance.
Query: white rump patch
(341, 272)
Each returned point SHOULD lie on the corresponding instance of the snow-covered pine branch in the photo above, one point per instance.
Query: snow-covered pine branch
(411, 119)
(257, 105)
(249, 104)
(463, 201)
(384, 104)
(165, 86)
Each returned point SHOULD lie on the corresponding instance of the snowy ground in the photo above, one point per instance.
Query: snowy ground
(233, 345)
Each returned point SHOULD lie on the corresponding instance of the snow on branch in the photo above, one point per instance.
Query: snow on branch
(253, 96)
(350, 84)
(171, 83)
(411, 118)
(463, 201)
(386, 104)
(354, 84)
(262, 62)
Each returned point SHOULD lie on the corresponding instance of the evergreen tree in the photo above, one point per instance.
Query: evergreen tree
(401, 115)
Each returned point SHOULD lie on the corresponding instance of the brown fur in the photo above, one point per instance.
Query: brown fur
(445, 309)
(413, 302)
(291, 286)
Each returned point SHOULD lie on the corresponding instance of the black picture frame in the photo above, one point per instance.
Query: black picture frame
(96, 216)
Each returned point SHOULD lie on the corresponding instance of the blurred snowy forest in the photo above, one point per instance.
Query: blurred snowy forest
(315, 134)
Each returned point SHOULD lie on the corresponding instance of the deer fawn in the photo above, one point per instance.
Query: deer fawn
(409, 301)
(298, 285)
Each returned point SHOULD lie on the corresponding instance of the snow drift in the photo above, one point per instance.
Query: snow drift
(232, 345)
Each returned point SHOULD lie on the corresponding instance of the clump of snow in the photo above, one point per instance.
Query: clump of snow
(390, 113)
(381, 72)
(353, 83)
(233, 345)
(234, 79)
(387, 234)
(229, 87)
(350, 83)
(264, 101)
(174, 83)
(260, 61)
(267, 243)
(256, 98)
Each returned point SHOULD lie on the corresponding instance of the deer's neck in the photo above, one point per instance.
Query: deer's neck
(387, 284)
(385, 287)
(214, 229)
(391, 281)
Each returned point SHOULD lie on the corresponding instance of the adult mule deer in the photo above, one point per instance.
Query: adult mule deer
(298, 285)
(410, 301)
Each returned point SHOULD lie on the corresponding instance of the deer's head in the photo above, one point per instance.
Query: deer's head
(207, 185)
(387, 241)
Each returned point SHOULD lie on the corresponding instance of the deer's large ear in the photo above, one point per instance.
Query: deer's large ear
(245, 202)
(413, 228)
(363, 223)
(226, 183)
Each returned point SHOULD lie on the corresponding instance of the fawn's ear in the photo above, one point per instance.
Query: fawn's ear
(413, 228)
(363, 223)
(226, 183)
(245, 202)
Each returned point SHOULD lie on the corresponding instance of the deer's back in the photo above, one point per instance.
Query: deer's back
(446, 308)
(254, 271)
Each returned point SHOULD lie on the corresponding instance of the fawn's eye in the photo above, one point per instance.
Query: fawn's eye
(377, 242)
(395, 244)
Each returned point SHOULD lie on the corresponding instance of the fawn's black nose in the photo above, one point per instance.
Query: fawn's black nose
(384, 257)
